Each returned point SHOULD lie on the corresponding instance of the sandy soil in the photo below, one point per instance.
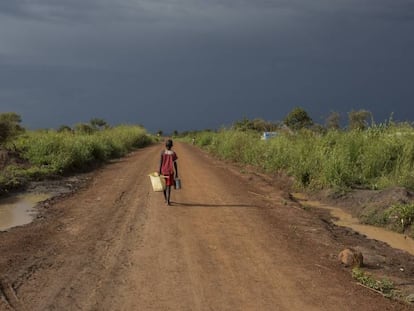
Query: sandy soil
(232, 240)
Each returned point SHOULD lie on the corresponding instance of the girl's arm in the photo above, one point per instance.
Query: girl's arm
(176, 169)
(159, 171)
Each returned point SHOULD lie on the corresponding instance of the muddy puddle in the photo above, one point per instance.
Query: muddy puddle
(19, 209)
(395, 240)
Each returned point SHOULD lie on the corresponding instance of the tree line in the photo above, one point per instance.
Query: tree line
(299, 118)
(296, 120)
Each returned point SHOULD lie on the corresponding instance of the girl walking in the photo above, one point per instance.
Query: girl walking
(168, 168)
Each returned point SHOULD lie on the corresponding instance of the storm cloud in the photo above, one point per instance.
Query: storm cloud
(184, 65)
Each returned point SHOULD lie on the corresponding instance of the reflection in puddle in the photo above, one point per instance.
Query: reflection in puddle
(19, 210)
(395, 240)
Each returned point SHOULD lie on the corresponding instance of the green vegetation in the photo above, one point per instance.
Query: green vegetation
(402, 214)
(333, 121)
(49, 152)
(363, 155)
(255, 125)
(65, 151)
(378, 157)
(358, 120)
(297, 119)
(9, 126)
(398, 217)
(384, 286)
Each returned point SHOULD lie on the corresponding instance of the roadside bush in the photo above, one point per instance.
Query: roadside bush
(384, 286)
(65, 151)
(9, 126)
(400, 216)
(48, 152)
(204, 139)
(377, 158)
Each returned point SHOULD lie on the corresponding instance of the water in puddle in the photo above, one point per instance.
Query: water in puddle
(19, 210)
(395, 240)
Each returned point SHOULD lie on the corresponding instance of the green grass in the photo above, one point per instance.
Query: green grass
(377, 158)
(402, 216)
(54, 153)
(398, 217)
(384, 286)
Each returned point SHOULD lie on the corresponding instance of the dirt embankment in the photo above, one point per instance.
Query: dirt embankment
(231, 240)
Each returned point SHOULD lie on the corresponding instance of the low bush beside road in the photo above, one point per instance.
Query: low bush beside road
(37, 154)
(376, 158)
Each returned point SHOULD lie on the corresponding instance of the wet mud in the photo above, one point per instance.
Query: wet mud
(22, 207)
(344, 219)
(19, 209)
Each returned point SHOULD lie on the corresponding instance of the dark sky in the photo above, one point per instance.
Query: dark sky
(196, 64)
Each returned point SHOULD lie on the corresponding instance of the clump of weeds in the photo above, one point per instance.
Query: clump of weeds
(383, 286)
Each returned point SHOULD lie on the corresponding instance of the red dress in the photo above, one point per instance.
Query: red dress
(167, 168)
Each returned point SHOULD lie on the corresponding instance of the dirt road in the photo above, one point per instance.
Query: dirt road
(230, 241)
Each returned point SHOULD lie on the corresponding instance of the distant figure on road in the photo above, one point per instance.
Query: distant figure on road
(168, 168)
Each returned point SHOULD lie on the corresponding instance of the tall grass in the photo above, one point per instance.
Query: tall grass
(398, 217)
(59, 152)
(376, 158)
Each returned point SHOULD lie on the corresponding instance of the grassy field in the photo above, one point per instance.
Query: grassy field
(377, 158)
(47, 153)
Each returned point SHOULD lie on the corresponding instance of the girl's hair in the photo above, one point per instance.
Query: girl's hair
(169, 143)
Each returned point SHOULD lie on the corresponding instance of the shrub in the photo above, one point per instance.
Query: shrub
(9, 126)
(64, 151)
(383, 286)
(401, 216)
(377, 158)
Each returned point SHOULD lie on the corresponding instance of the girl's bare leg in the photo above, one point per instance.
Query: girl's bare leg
(168, 194)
